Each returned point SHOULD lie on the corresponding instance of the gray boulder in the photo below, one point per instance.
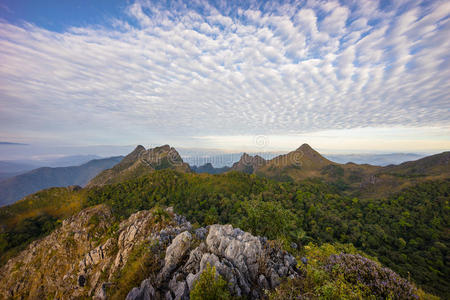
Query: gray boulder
(248, 263)
(144, 292)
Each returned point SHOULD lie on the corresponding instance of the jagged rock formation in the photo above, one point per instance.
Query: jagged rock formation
(139, 162)
(248, 164)
(249, 264)
(86, 256)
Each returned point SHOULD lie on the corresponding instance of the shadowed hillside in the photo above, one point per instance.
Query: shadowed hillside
(17, 187)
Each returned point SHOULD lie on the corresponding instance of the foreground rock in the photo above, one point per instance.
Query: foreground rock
(84, 256)
(248, 263)
(89, 254)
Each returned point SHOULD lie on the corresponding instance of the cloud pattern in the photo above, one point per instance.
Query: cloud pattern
(199, 68)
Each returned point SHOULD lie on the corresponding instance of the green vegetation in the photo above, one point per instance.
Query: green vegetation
(406, 231)
(210, 286)
(26, 231)
(57, 202)
(143, 261)
(359, 278)
(35, 216)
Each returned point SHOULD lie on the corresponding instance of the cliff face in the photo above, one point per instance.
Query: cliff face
(92, 255)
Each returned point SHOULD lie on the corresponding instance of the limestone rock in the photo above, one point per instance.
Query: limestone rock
(75, 260)
(247, 264)
(176, 251)
(144, 292)
(82, 259)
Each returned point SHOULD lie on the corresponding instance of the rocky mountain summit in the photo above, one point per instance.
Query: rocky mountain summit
(92, 255)
(248, 164)
(141, 161)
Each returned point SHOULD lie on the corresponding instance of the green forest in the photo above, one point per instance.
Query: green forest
(407, 231)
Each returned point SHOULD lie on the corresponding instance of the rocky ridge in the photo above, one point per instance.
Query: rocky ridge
(249, 264)
(140, 162)
(86, 256)
(248, 164)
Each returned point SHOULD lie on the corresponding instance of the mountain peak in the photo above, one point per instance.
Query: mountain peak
(164, 148)
(309, 152)
(139, 148)
(248, 163)
(305, 147)
(136, 151)
(140, 162)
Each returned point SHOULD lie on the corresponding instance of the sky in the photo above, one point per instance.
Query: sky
(343, 76)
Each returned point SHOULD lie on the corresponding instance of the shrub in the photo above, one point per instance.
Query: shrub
(382, 282)
(348, 275)
(210, 286)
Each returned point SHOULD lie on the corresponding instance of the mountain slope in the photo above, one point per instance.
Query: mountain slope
(140, 162)
(305, 163)
(17, 187)
(400, 231)
(360, 179)
(392, 178)
(434, 165)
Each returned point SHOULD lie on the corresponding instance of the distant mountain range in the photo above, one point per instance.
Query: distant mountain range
(374, 159)
(10, 169)
(15, 188)
(219, 160)
(303, 163)
(208, 168)
(15, 167)
(300, 164)
(248, 164)
(306, 163)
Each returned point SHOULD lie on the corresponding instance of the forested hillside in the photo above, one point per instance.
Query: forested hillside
(407, 231)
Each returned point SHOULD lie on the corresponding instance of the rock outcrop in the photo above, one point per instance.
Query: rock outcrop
(88, 254)
(249, 264)
(83, 256)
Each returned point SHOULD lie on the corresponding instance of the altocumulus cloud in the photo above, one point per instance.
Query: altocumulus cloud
(199, 68)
